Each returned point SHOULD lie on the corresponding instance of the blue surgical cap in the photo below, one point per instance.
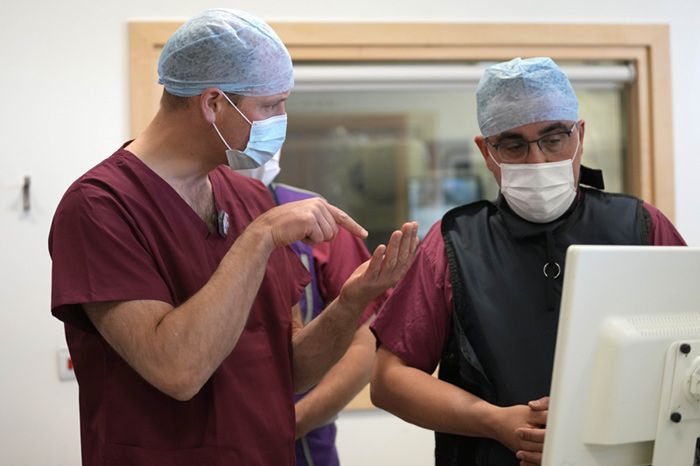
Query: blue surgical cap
(520, 92)
(226, 49)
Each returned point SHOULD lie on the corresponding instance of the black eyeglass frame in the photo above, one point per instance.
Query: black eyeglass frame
(527, 143)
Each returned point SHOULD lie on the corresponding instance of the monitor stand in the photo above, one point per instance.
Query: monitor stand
(678, 430)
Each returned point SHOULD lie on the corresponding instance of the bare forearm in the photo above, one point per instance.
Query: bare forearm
(177, 349)
(423, 400)
(200, 333)
(339, 386)
(211, 322)
(321, 343)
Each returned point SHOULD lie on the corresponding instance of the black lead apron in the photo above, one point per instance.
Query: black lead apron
(506, 275)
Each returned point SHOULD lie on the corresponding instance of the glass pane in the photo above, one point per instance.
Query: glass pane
(605, 141)
(390, 156)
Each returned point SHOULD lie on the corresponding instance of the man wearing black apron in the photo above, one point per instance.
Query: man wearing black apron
(482, 297)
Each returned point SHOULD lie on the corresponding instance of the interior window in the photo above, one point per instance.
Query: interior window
(390, 143)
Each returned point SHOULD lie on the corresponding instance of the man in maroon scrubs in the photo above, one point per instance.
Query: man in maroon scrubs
(173, 278)
(482, 297)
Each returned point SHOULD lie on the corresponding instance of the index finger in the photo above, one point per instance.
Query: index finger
(345, 221)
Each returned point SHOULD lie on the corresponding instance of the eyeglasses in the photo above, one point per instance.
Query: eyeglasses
(515, 150)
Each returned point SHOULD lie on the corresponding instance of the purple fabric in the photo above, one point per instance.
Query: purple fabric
(321, 445)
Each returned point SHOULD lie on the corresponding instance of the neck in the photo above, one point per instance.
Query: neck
(178, 149)
(182, 150)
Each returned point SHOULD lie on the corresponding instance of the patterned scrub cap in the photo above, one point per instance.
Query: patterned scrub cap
(227, 49)
(519, 92)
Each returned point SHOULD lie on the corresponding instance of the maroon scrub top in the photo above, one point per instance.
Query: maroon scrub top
(415, 321)
(122, 233)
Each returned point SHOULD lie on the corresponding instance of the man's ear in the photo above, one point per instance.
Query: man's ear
(582, 130)
(210, 104)
(490, 163)
(483, 148)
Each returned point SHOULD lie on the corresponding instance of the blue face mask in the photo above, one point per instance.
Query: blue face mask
(265, 140)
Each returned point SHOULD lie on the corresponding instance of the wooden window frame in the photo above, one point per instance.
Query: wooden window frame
(646, 46)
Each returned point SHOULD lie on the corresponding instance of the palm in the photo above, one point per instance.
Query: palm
(384, 269)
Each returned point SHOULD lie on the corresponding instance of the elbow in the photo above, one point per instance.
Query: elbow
(181, 386)
(184, 393)
(375, 395)
(378, 391)
(384, 381)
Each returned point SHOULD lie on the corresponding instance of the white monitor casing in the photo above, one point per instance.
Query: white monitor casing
(619, 372)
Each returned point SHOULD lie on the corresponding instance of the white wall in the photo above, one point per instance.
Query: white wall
(64, 98)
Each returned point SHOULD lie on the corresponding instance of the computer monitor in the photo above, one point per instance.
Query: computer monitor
(626, 380)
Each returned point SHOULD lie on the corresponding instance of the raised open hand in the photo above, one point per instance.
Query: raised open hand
(384, 269)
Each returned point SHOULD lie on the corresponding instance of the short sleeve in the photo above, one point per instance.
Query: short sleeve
(98, 255)
(413, 323)
(662, 232)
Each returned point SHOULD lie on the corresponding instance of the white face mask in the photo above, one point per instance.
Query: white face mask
(265, 173)
(539, 192)
(265, 140)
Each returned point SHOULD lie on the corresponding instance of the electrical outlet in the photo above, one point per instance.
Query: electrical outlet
(65, 365)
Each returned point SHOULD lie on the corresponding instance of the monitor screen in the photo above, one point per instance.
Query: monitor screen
(626, 380)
